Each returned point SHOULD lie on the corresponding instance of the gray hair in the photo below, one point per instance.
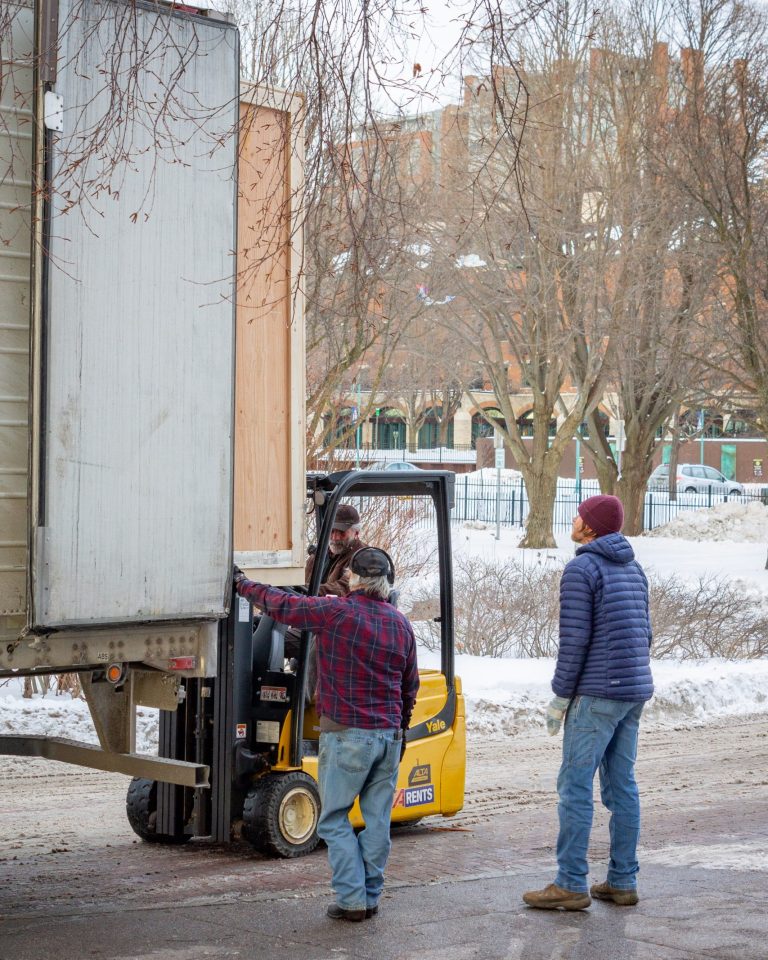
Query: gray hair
(378, 587)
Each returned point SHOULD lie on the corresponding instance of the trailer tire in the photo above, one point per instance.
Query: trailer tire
(141, 807)
(280, 815)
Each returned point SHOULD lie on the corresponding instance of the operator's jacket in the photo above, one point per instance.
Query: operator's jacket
(368, 675)
(334, 582)
(605, 628)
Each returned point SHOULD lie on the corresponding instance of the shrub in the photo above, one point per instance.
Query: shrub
(512, 610)
(501, 609)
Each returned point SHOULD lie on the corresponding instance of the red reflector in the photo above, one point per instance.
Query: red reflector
(182, 663)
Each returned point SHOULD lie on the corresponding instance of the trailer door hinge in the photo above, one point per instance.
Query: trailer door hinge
(54, 111)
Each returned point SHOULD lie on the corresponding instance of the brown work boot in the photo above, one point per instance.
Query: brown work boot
(335, 912)
(624, 898)
(555, 898)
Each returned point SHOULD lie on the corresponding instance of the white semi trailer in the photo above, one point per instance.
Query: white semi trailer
(119, 196)
(152, 423)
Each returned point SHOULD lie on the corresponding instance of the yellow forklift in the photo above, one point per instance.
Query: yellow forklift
(256, 728)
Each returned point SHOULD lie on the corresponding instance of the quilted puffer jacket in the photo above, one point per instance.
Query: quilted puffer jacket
(605, 630)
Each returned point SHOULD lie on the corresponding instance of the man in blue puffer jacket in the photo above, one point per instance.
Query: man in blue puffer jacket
(602, 681)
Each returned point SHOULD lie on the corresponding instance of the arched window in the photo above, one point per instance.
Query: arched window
(429, 434)
(481, 427)
(389, 429)
(605, 425)
(701, 422)
(740, 425)
(337, 423)
(525, 424)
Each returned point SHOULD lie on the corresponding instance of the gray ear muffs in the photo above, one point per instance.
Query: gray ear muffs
(357, 564)
(391, 571)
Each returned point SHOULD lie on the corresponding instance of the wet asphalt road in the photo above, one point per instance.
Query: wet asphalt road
(74, 883)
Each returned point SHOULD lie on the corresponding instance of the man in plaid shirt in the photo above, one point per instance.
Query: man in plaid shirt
(367, 684)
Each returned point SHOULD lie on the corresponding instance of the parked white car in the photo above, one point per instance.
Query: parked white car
(403, 466)
(694, 478)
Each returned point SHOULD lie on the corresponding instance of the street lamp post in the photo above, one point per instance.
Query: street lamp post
(498, 444)
(578, 464)
(358, 438)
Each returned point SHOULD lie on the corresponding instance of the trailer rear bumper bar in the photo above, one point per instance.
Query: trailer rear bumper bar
(89, 755)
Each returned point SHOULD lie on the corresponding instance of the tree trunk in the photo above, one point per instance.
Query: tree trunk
(631, 488)
(600, 454)
(541, 487)
(607, 474)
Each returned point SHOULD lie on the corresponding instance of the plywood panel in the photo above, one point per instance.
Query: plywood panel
(269, 397)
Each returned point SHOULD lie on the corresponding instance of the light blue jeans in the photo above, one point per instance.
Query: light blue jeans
(599, 734)
(354, 763)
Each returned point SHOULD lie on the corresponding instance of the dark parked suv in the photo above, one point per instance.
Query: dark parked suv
(694, 478)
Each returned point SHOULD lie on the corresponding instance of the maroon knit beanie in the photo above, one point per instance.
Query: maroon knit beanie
(602, 514)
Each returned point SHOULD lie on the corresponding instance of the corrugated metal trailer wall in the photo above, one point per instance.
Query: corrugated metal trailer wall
(134, 520)
(16, 145)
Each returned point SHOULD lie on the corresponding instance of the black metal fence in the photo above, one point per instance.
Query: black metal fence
(476, 499)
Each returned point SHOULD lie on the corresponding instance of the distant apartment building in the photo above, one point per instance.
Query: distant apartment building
(443, 149)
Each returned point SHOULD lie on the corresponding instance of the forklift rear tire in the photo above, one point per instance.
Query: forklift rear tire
(280, 814)
(398, 824)
(141, 807)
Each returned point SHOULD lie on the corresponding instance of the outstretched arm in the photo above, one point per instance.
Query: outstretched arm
(305, 613)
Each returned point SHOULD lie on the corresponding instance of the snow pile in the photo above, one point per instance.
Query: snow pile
(61, 716)
(503, 696)
(740, 522)
(470, 260)
(506, 696)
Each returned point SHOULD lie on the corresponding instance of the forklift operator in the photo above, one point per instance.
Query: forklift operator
(367, 685)
(345, 540)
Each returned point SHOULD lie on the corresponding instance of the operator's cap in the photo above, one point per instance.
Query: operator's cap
(372, 562)
(346, 517)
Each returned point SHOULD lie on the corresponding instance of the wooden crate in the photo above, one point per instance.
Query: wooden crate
(270, 438)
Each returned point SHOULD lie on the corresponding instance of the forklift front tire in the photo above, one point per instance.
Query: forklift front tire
(280, 814)
(141, 807)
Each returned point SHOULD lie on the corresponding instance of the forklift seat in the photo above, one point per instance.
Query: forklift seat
(269, 645)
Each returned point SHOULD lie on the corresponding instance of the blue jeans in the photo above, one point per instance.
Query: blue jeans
(602, 734)
(354, 763)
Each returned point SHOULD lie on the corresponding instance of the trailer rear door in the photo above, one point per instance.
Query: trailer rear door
(16, 138)
(133, 521)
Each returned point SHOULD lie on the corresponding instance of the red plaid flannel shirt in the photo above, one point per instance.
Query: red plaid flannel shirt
(366, 653)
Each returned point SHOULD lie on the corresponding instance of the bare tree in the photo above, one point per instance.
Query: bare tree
(719, 137)
(521, 258)
(658, 275)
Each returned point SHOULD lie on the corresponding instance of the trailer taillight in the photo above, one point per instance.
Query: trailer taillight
(182, 663)
(115, 672)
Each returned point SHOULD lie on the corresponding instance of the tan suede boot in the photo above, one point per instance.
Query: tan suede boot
(624, 898)
(555, 898)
